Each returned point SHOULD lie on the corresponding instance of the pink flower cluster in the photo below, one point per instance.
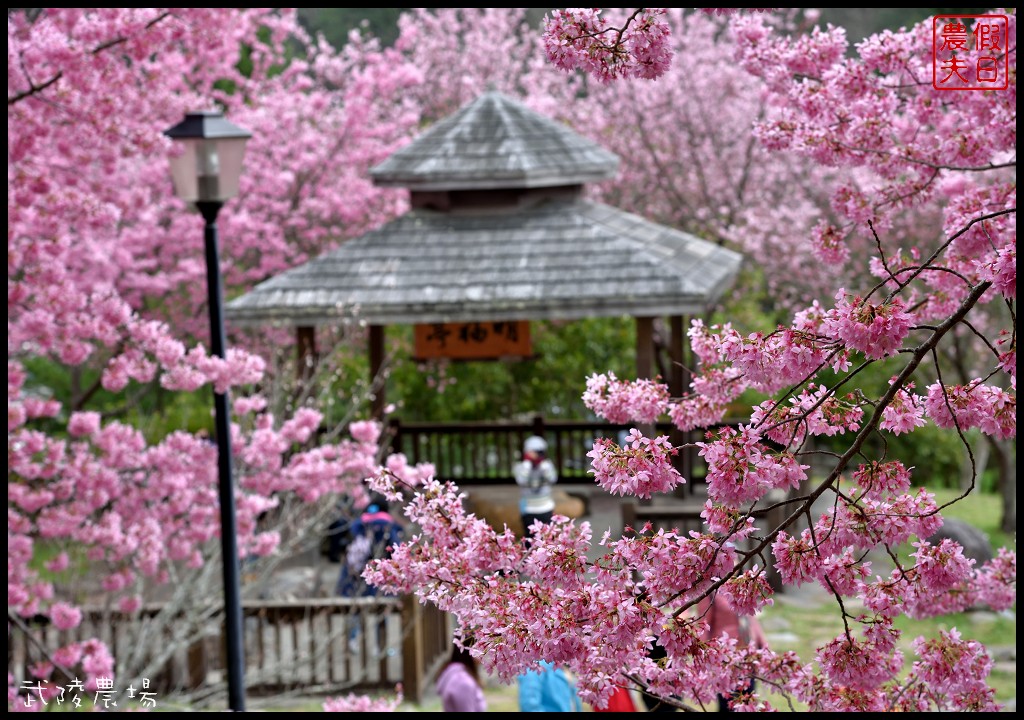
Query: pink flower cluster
(941, 567)
(91, 657)
(862, 665)
(640, 467)
(875, 330)
(732, 523)
(797, 559)
(582, 39)
(363, 703)
(991, 409)
(771, 362)
(1002, 272)
(905, 412)
(947, 672)
(829, 244)
(713, 390)
(547, 601)
(696, 411)
(869, 521)
(138, 507)
(882, 478)
(742, 469)
(65, 616)
(617, 401)
(749, 592)
(816, 411)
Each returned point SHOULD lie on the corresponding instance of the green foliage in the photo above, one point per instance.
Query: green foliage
(550, 383)
(934, 453)
(336, 23)
(156, 412)
(864, 21)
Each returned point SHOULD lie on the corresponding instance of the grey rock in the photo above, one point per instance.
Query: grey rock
(976, 543)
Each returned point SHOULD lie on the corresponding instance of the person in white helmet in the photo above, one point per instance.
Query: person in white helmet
(535, 475)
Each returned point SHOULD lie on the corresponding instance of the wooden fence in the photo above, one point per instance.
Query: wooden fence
(311, 646)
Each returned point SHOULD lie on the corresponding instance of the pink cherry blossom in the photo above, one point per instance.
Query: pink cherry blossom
(65, 616)
(85, 423)
(875, 330)
(741, 468)
(641, 401)
(581, 38)
(362, 703)
(640, 467)
(904, 413)
(976, 404)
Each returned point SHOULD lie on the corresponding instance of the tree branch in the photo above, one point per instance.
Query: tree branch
(33, 88)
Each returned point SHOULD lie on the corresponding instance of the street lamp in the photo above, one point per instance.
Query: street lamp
(206, 175)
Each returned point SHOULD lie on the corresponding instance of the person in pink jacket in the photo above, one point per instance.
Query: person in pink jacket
(721, 618)
(458, 684)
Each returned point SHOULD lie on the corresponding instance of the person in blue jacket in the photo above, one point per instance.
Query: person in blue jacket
(548, 690)
(372, 536)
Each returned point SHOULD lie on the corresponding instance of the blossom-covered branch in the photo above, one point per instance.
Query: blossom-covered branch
(545, 600)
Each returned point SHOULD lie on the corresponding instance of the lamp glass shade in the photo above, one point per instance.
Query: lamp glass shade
(208, 169)
(208, 161)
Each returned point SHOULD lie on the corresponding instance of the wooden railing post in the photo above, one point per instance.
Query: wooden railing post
(198, 667)
(306, 354)
(538, 425)
(413, 665)
(629, 516)
(395, 424)
(378, 383)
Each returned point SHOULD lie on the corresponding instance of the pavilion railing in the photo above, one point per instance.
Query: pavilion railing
(483, 453)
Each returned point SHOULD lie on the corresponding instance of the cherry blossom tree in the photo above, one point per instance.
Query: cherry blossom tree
(877, 113)
(103, 266)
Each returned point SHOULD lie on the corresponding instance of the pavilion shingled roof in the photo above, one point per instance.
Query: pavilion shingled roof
(557, 260)
(496, 142)
(557, 257)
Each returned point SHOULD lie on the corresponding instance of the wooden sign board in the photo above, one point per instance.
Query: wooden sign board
(473, 340)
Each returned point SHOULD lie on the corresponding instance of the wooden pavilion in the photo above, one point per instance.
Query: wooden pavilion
(498, 234)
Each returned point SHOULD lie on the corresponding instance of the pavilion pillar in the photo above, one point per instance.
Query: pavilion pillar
(679, 383)
(645, 368)
(644, 347)
(679, 375)
(377, 382)
(306, 353)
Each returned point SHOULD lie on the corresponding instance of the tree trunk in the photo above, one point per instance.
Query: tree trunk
(980, 449)
(1006, 461)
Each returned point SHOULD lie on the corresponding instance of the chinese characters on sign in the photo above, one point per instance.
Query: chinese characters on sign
(44, 693)
(473, 340)
(970, 52)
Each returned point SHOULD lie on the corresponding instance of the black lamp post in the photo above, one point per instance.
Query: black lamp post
(206, 175)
